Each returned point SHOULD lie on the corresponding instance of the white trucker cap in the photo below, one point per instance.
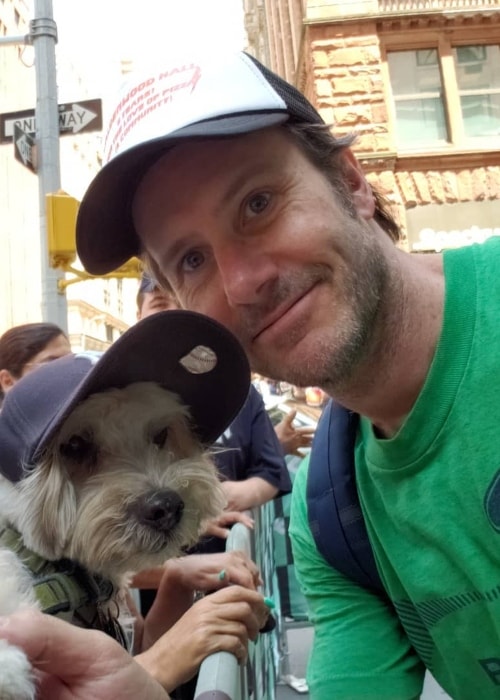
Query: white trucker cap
(222, 96)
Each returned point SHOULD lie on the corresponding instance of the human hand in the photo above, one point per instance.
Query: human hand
(246, 494)
(209, 572)
(292, 439)
(222, 621)
(219, 527)
(71, 663)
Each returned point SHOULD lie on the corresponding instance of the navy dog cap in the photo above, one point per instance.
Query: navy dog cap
(185, 352)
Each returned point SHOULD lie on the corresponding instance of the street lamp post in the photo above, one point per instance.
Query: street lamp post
(43, 37)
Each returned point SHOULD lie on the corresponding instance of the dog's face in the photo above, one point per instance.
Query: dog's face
(123, 487)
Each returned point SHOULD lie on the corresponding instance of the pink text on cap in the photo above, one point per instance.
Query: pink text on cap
(144, 97)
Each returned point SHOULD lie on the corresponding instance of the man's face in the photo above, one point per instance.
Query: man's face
(249, 232)
(155, 301)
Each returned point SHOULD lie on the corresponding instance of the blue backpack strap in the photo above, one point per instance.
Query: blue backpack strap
(334, 511)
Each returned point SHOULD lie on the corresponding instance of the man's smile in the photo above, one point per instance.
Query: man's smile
(287, 318)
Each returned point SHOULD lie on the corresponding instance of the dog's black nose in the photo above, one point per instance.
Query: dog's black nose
(160, 510)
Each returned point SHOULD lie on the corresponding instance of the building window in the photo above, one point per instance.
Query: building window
(109, 333)
(417, 90)
(446, 95)
(478, 79)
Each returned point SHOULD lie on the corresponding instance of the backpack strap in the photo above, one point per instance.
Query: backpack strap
(335, 517)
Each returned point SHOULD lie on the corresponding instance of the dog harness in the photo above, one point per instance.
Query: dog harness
(67, 590)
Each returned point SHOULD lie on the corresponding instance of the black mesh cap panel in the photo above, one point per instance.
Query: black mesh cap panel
(301, 110)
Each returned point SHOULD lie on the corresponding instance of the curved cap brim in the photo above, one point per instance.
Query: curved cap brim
(105, 234)
(182, 351)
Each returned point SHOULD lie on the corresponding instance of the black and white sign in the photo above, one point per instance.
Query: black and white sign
(24, 148)
(74, 118)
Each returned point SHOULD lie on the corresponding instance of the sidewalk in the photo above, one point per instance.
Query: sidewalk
(299, 644)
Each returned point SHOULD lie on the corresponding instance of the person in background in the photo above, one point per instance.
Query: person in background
(151, 298)
(24, 348)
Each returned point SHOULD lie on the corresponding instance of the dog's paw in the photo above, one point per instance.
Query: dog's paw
(16, 677)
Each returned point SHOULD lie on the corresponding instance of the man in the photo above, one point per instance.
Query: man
(255, 215)
(151, 298)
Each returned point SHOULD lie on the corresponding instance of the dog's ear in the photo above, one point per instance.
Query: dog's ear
(48, 508)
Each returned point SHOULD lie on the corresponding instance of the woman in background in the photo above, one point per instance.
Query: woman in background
(24, 348)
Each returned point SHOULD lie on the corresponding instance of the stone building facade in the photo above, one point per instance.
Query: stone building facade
(418, 83)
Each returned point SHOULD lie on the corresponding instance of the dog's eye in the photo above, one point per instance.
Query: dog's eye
(78, 448)
(160, 438)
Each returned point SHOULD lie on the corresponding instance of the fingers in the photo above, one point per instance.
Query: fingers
(73, 662)
(241, 604)
(239, 574)
(53, 645)
(234, 645)
(305, 431)
(219, 527)
(241, 568)
(207, 572)
(230, 517)
(214, 530)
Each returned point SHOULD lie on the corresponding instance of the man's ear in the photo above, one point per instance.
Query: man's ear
(361, 191)
(7, 381)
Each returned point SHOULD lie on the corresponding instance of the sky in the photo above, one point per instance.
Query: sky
(96, 34)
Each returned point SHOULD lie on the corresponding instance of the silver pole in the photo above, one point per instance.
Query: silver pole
(43, 35)
(15, 40)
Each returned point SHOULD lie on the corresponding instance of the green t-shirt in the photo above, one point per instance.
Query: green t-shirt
(431, 500)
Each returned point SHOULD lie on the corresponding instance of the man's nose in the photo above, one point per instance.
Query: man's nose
(246, 273)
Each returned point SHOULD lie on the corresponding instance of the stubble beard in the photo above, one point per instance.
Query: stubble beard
(332, 356)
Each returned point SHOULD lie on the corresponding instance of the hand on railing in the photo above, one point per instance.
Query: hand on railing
(223, 621)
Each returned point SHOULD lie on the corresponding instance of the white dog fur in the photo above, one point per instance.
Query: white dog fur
(89, 500)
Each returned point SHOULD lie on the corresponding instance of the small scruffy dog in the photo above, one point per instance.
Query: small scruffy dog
(123, 484)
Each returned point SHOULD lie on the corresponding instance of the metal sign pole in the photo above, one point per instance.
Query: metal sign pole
(43, 35)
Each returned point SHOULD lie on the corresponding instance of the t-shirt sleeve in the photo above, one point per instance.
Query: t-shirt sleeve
(360, 649)
(267, 459)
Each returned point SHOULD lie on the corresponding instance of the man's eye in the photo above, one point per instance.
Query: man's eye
(192, 260)
(160, 438)
(258, 202)
(79, 448)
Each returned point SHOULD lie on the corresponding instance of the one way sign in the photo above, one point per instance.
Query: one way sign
(24, 148)
(74, 118)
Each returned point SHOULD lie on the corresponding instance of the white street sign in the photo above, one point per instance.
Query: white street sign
(74, 118)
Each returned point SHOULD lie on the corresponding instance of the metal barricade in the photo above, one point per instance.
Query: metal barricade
(220, 676)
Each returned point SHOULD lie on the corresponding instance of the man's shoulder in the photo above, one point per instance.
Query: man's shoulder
(485, 253)
(253, 404)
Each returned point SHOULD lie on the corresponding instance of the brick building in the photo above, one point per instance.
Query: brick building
(418, 82)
